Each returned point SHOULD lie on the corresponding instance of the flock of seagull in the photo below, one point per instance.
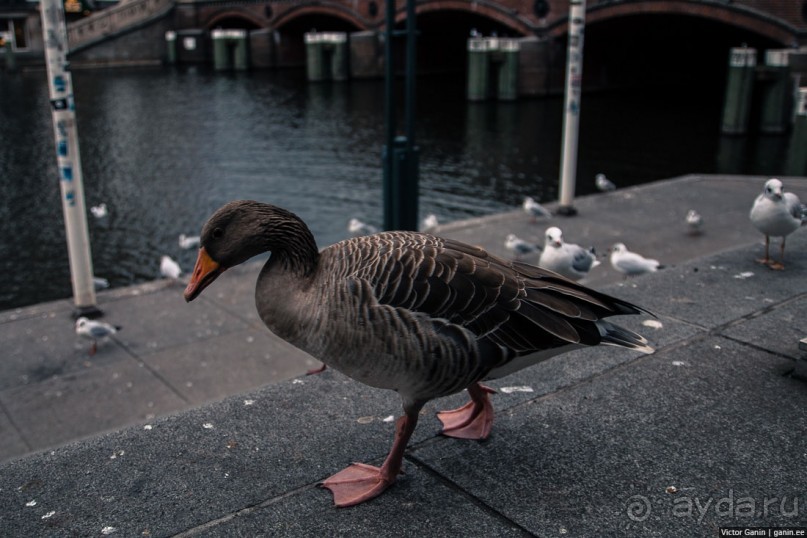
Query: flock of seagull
(775, 213)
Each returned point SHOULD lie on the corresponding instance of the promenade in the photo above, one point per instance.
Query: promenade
(195, 421)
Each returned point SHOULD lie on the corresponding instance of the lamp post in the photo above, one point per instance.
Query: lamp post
(68, 161)
(571, 118)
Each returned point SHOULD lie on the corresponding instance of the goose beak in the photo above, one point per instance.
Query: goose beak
(205, 272)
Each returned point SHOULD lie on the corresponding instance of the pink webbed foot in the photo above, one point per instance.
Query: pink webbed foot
(358, 483)
(474, 419)
(315, 371)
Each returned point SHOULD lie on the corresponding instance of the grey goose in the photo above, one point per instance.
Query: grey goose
(411, 312)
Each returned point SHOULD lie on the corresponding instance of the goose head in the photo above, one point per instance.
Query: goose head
(243, 229)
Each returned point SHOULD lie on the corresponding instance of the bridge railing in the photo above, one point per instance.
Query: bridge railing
(112, 20)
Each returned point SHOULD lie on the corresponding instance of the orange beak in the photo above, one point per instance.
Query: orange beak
(205, 272)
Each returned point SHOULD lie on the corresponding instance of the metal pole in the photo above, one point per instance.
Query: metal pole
(67, 156)
(574, 75)
(389, 120)
(409, 191)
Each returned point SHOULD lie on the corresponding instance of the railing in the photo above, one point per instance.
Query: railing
(113, 20)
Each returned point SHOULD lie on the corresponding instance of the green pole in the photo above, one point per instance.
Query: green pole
(740, 82)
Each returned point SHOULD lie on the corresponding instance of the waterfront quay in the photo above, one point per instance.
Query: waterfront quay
(195, 421)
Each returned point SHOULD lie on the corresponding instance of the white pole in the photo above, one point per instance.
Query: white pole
(68, 160)
(574, 76)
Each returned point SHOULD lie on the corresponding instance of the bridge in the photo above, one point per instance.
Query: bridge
(627, 41)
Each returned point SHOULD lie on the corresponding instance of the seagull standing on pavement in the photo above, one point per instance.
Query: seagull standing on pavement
(603, 183)
(95, 331)
(518, 246)
(430, 223)
(630, 263)
(694, 222)
(566, 259)
(777, 213)
(534, 209)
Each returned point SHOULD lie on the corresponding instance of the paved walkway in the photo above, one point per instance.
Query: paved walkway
(704, 433)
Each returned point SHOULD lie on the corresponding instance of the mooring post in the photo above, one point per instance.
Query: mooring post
(571, 118)
(739, 87)
(797, 154)
(68, 160)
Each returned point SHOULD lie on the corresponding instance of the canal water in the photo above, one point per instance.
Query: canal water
(163, 148)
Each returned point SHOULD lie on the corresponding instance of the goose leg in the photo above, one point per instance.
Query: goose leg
(361, 482)
(474, 419)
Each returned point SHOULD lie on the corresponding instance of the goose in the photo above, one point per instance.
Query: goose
(777, 213)
(566, 259)
(411, 312)
(534, 209)
(631, 263)
(95, 331)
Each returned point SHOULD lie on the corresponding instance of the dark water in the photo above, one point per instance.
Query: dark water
(164, 148)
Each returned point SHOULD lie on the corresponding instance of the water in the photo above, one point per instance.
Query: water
(164, 148)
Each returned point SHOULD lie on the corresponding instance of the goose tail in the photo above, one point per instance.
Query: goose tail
(614, 335)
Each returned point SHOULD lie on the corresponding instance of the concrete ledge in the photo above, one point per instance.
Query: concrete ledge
(705, 433)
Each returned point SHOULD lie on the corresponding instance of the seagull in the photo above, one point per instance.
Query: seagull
(99, 211)
(357, 227)
(518, 246)
(410, 312)
(630, 263)
(603, 183)
(100, 283)
(169, 268)
(95, 331)
(566, 259)
(430, 223)
(694, 222)
(188, 241)
(777, 213)
(534, 209)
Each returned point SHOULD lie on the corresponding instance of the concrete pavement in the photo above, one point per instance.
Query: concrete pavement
(707, 432)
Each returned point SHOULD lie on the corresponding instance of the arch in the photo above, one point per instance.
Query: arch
(765, 25)
(505, 17)
(217, 18)
(327, 8)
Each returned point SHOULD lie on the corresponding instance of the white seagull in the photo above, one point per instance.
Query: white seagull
(566, 259)
(95, 331)
(694, 222)
(534, 209)
(100, 283)
(169, 268)
(188, 241)
(357, 227)
(99, 211)
(430, 223)
(777, 213)
(630, 263)
(603, 183)
(518, 246)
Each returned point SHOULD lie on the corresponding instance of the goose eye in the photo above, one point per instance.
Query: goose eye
(217, 233)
